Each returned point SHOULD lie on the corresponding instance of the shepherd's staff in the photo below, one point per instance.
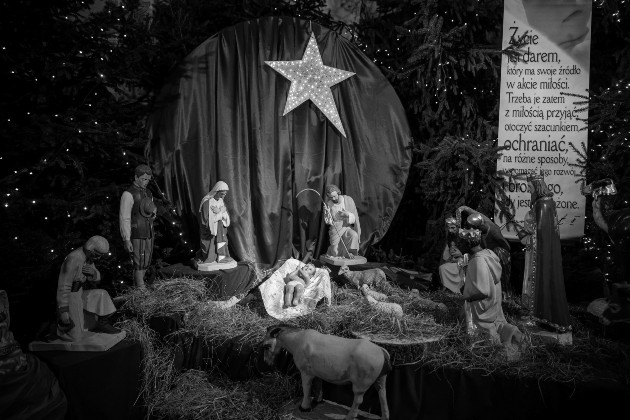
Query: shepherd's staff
(328, 217)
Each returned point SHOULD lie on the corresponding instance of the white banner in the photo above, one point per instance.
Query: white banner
(537, 123)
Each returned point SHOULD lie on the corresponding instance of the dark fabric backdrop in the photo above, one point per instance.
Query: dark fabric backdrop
(220, 118)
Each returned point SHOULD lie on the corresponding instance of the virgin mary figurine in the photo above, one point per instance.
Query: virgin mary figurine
(215, 219)
(547, 297)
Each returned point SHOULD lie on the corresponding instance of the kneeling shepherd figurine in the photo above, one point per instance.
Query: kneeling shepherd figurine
(72, 300)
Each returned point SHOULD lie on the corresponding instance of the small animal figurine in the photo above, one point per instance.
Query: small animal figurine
(388, 308)
(374, 277)
(333, 359)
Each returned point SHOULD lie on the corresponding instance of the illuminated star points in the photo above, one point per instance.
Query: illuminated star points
(311, 79)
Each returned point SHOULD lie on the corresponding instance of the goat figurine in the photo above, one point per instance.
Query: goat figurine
(333, 359)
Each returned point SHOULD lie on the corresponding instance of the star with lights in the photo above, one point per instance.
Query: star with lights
(311, 79)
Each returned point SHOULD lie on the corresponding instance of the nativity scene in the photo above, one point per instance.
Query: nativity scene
(320, 219)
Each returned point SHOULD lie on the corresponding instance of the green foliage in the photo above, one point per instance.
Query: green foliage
(460, 172)
(79, 89)
(606, 109)
(443, 58)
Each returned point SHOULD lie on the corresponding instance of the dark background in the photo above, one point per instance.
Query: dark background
(79, 88)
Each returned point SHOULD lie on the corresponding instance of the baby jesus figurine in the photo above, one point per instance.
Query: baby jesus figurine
(296, 282)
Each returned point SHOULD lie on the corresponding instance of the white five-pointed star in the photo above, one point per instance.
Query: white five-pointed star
(311, 79)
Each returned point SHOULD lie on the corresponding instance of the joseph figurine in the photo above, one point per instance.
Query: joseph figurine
(344, 230)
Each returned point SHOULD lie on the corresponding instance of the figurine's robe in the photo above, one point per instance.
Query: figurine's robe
(548, 301)
(344, 229)
(72, 298)
(528, 241)
(452, 271)
(213, 234)
(482, 291)
(494, 240)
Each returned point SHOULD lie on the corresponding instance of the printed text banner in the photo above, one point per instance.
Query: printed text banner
(538, 124)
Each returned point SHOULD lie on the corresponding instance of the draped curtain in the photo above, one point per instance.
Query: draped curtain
(220, 118)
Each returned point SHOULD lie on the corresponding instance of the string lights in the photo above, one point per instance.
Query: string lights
(93, 60)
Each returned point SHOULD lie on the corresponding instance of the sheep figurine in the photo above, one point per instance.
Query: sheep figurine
(374, 277)
(333, 359)
(388, 308)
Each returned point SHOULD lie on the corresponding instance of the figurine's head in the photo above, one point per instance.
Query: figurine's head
(143, 175)
(270, 343)
(308, 270)
(475, 221)
(467, 239)
(598, 188)
(347, 274)
(219, 190)
(333, 192)
(451, 224)
(538, 187)
(95, 247)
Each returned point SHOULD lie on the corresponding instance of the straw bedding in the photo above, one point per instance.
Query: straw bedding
(430, 317)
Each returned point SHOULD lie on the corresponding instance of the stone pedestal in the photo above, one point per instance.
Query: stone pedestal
(339, 261)
(215, 266)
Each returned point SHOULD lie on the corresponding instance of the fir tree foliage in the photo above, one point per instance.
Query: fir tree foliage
(606, 109)
(443, 57)
(81, 78)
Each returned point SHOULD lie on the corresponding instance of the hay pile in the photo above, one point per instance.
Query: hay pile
(194, 394)
(200, 395)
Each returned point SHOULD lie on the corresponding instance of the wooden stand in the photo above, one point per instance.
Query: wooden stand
(428, 342)
(90, 341)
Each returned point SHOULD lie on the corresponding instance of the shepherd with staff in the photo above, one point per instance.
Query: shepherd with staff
(344, 231)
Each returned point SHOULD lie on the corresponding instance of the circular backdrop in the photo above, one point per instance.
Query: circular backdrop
(221, 118)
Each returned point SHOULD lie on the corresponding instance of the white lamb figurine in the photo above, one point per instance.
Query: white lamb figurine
(388, 308)
(374, 278)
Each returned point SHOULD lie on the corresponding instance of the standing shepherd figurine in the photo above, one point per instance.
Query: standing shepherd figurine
(136, 215)
(333, 359)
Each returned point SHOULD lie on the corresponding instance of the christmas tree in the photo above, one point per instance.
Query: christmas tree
(81, 86)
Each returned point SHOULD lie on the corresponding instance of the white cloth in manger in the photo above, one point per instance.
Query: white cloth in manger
(272, 291)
